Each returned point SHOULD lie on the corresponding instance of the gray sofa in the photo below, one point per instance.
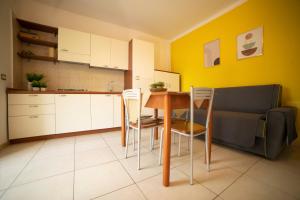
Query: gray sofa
(250, 118)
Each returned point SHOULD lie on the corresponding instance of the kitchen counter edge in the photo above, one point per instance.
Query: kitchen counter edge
(20, 91)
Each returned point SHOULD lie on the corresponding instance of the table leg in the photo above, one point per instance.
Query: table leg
(156, 129)
(167, 140)
(123, 128)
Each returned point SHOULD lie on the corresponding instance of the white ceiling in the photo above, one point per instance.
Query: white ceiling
(163, 18)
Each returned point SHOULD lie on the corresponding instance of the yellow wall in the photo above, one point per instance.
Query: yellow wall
(278, 64)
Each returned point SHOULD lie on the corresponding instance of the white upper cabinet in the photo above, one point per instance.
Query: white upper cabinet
(108, 53)
(100, 51)
(119, 54)
(73, 46)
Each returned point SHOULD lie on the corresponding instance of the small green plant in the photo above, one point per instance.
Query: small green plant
(43, 85)
(36, 83)
(157, 85)
(34, 77)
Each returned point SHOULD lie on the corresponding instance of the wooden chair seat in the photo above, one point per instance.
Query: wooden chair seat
(147, 123)
(184, 126)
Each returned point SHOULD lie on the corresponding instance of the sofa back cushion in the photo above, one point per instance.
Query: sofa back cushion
(252, 99)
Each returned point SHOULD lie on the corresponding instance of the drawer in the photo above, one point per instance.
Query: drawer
(19, 99)
(29, 126)
(38, 109)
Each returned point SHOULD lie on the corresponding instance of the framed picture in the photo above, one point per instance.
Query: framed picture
(250, 44)
(212, 53)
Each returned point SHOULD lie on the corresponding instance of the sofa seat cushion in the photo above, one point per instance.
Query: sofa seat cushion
(237, 127)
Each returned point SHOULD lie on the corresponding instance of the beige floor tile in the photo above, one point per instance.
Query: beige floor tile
(93, 157)
(179, 188)
(57, 148)
(218, 198)
(46, 167)
(88, 142)
(129, 193)
(216, 179)
(248, 188)
(277, 174)
(149, 166)
(54, 188)
(96, 181)
(225, 157)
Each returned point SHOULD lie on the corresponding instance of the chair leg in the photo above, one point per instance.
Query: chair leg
(160, 146)
(174, 139)
(206, 151)
(127, 140)
(139, 147)
(134, 140)
(188, 144)
(191, 161)
(179, 145)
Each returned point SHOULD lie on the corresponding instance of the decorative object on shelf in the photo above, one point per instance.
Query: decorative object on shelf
(35, 85)
(43, 86)
(158, 87)
(250, 44)
(212, 53)
(26, 53)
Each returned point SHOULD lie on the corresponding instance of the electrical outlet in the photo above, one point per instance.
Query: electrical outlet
(3, 77)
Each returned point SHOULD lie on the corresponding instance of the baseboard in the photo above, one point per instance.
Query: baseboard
(2, 146)
(62, 135)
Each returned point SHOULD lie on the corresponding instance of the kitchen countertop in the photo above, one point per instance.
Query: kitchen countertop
(21, 91)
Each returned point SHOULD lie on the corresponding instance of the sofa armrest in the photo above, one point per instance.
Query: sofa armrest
(280, 130)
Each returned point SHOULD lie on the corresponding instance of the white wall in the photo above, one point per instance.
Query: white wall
(5, 63)
(41, 13)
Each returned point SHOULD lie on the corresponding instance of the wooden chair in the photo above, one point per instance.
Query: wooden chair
(133, 120)
(188, 127)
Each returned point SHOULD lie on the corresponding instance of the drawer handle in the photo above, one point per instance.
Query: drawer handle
(108, 95)
(63, 95)
(116, 67)
(64, 50)
(33, 95)
(33, 117)
(33, 106)
(137, 78)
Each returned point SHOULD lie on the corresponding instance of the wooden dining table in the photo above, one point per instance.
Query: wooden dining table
(166, 101)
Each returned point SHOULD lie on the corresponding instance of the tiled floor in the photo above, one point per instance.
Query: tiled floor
(93, 167)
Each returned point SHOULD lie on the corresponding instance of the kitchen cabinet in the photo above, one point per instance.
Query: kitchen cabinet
(73, 46)
(73, 112)
(30, 115)
(108, 53)
(100, 51)
(117, 110)
(102, 106)
(171, 80)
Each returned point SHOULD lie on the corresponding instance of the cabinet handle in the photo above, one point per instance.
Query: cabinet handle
(32, 95)
(116, 67)
(105, 66)
(137, 78)
(33, 116)
(64, 49)
(63, 95)
(33, 106)
(108, 95)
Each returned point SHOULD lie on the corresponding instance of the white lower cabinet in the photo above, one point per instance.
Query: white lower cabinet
(73, 112)
(102, 111)
(117, 110)
(32, 125)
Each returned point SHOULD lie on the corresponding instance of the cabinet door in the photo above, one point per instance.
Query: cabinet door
(30, 99)
(174, 82)
(119, 54)
(29, 126)
(142, 59)
(102, 111)
(73, 112)
(100, 51)
(117, 110)
(73, 46)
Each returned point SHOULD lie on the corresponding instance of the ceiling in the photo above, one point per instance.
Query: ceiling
(163, 18)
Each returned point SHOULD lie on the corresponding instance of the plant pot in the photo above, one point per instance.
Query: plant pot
(43, 89)
(35, 89)
(29, 86)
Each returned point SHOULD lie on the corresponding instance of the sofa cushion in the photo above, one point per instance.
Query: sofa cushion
(251, 99)
(238, 128)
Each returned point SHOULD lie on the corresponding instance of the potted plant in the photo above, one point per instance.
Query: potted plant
(35, 85)
(157, 87)
(43, 86)
(30, 78)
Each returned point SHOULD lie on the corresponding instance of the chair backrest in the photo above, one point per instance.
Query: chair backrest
(132, 102)
(198, 97)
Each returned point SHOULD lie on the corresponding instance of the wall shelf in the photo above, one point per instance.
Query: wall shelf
(38, 27)
(37, 41)
(36, 57)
